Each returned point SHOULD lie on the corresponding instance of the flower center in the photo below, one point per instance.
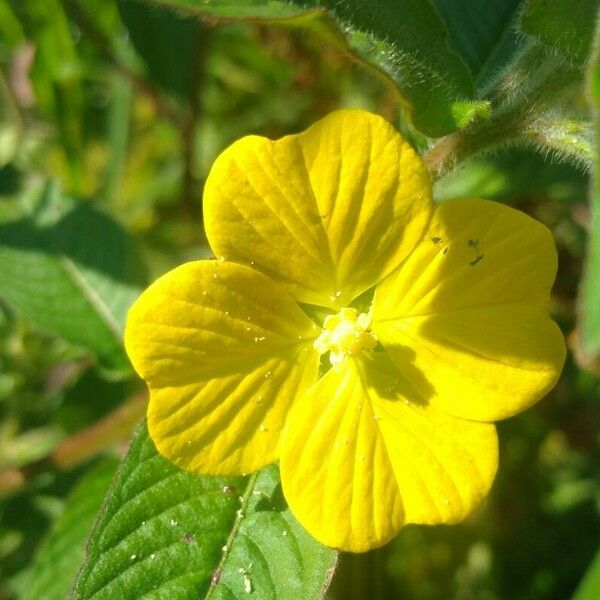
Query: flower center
(345, 334)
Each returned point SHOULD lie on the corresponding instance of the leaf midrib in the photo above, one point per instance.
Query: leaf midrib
(240, 514)
(96, 302)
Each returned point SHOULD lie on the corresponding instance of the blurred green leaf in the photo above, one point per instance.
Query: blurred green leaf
(169, 44)
(118, 137)
(509, 174)
(589, 300)
(55, 566)
(73, 271)
(165, 533)
(10, 29)
(406, 42)
(589, 588)
(56, 75)
(483, 34)
(565, 26)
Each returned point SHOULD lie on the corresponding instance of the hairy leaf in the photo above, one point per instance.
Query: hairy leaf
(405, 42)
(483, 34)
(565, 26)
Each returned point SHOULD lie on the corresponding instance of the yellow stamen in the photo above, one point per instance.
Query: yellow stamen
(345, 334)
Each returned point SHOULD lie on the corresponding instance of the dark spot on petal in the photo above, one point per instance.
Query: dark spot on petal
(476, 260)
(436, 240)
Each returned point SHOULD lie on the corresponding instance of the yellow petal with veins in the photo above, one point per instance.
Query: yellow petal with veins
(465, 318)
(362, 454)
(327, 212)
(225, 351)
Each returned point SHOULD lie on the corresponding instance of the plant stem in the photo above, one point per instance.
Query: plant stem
(189, 194)
(511, 121)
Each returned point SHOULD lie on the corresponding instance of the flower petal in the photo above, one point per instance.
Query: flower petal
(224, 351)
(465, 316)
(444, 465)
(327, 212)
(335, 472)
(361, 456)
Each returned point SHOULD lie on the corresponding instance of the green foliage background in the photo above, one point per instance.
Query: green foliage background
(111, 113)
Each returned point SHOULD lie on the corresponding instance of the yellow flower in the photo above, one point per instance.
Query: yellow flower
(348, 330)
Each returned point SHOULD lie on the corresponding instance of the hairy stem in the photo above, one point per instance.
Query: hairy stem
(521, 104)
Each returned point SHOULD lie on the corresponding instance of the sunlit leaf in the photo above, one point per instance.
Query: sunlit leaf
(165, 533)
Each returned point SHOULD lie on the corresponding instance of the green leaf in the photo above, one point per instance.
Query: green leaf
(164, 533)
(589, 588)
(565, 26)
(121, 93)
(73, 271)
(589, 297)
(168, 43)
(59, 557)
(404, 42)
(483, 34)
